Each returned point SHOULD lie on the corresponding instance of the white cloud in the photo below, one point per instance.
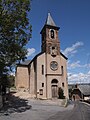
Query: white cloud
(74, 65)
(31, 51)
(79, 78)
(89, 72)
(73, 49)
(77, 65)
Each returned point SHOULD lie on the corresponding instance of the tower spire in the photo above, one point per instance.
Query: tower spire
(49, 20)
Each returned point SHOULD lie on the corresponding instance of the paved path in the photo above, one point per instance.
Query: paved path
(81, 111)
(20, 109)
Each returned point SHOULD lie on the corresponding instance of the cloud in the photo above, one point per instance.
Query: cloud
(79, 78)
(74, 65)
(31, 51)
(73, 49)
(77, 65)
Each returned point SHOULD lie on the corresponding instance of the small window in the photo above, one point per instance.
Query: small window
(62, 70)
(52, 34)
(53, 48)
(42, 84)
(63, 84)
(54, 51)
(41, 91)
(42, 69)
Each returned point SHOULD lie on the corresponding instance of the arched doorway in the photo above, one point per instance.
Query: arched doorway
(54, 86)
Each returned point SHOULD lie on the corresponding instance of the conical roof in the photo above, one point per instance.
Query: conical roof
(49, 20)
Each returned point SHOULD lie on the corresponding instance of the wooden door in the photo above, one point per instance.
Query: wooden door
(54, 91)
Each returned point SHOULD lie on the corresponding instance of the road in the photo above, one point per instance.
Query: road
(21, 109)
(81, 111)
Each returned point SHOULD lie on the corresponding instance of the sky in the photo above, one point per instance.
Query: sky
(73, 18)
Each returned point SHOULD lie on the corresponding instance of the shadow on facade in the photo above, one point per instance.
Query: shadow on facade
(14, 104)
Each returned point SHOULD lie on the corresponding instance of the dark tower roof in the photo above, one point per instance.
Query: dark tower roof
(49, 23)
(49, 20)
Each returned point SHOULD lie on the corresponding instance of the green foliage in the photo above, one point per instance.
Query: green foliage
(70, 91)
(11, 80)
(61, 93)
(4, 81)
(15, 32)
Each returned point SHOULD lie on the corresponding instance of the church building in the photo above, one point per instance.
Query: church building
(46, 73)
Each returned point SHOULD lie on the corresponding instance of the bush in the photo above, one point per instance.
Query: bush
(61, 93)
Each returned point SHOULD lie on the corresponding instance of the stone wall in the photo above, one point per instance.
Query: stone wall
(22, 77)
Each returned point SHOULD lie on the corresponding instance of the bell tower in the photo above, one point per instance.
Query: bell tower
(50, 40)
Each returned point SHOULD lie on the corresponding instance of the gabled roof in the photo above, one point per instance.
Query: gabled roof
(63, 56)
(28, 62)
(85, 89)
(49, 20)
(36, 56)
(25, 63)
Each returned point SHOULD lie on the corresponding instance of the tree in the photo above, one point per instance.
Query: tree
(60, 93)
(11, 81)
(15, 32)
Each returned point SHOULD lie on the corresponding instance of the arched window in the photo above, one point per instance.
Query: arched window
(54, 81)
(52, 34)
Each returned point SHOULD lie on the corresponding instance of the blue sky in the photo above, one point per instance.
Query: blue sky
(73, 18)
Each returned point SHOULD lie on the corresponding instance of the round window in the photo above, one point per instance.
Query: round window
(54, 65)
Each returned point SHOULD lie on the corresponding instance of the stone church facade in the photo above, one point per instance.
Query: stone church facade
(47, 71)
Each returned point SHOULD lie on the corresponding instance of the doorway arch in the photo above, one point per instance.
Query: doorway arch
(54, 88)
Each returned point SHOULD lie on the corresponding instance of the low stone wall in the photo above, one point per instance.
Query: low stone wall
(1, 102)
